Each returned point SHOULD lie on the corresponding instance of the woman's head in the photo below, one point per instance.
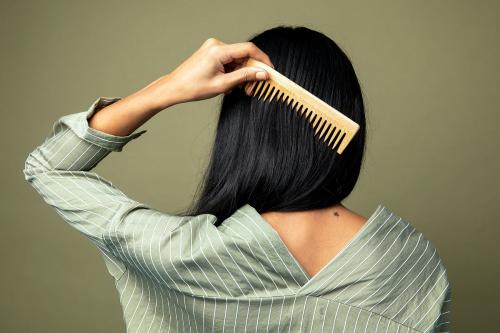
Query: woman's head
(265, 154)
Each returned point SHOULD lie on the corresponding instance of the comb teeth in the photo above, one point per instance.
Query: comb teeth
(329, 125)
(264, 87)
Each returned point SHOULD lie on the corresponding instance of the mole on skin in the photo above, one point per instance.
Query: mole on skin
(335, 213)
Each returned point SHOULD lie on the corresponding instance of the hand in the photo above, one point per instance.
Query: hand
(213, 69)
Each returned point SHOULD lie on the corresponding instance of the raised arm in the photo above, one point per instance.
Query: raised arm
(60, 168)
(201, 76)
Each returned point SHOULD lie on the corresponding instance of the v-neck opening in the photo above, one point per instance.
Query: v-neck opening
(285, 251)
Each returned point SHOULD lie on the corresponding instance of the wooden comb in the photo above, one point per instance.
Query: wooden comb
(329, 125)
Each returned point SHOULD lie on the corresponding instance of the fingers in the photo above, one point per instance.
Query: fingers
(243, 75)
(238, 51)
(211, 42)
(229, 58)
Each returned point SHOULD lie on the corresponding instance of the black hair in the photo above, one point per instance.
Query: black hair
(265, 154)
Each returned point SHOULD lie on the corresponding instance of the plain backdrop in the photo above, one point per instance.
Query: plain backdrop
(430, 73)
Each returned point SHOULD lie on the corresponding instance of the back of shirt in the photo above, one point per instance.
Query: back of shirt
(184, 274)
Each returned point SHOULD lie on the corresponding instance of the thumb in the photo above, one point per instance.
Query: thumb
(243, 75)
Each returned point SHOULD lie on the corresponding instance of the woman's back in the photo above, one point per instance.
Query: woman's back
(241, 277)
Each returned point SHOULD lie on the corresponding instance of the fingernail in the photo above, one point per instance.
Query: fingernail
(260, 75)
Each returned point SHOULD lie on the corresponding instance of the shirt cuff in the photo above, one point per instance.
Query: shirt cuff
(78, 123)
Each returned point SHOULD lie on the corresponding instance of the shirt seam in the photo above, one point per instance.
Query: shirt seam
(378, 314)
(120, 263)
(122, 275)
(295, 295)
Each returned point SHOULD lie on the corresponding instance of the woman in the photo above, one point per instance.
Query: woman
(268, 246)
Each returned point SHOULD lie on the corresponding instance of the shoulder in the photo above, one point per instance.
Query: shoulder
(415, 245)
(414, 233)
(418, 277)
(172, 250)
(136, 225)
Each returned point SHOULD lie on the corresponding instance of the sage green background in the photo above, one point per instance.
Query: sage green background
(430, 73)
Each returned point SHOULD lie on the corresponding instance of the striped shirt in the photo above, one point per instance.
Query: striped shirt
(184, 274)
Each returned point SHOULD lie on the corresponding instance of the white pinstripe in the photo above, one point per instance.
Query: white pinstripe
(222, 262)
(375, 264)
(303, 310)
(196, 263)
(345, 321)
(235, 263)
(324, 317)
(249, 265)
(335, 318)
(260, 263)
(341, 251)
(423, 298)
(268, 259)
(386, 267)
(138, 303)
(213, 321)
(147, 306)
(423, 283)
(281, 312)
(313, 313)
(439, 316)
(225, 314)
(248, 311)
(236, 316)
(401, 279)
(269, 315)
(216, 272)
(291, 316)
(366, 327)
(274, 248)
(378, 322)
(381, 242)
(258, 315)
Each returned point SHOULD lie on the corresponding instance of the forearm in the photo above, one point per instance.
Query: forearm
(201, 76)
(59, 169)
(126, 115)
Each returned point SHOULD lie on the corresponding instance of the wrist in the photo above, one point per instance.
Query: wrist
(161, 93)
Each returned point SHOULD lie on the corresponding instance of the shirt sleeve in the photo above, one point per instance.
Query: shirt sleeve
(59, 170)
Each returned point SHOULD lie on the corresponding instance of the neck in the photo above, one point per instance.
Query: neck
(305, 216)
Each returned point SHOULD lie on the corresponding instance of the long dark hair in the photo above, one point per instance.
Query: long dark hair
(265, 154)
